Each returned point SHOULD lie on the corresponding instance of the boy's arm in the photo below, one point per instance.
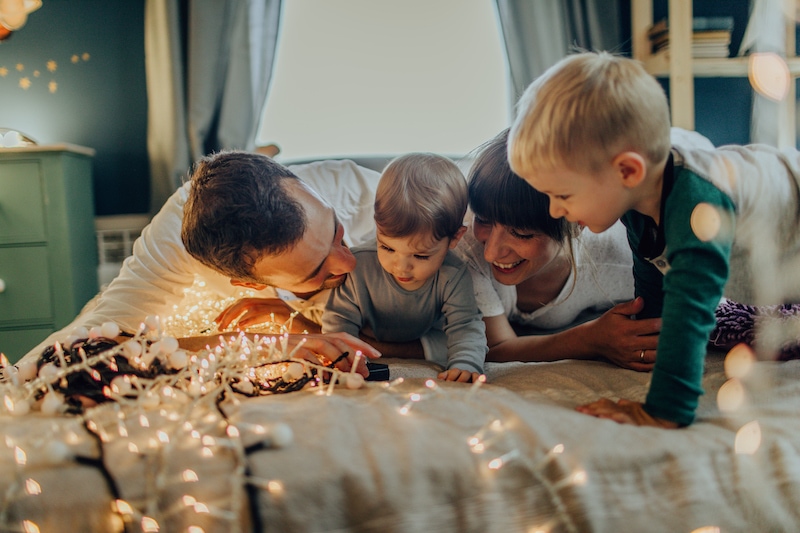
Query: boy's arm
(693, 287)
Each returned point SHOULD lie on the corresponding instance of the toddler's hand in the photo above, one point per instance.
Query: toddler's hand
(462, 376)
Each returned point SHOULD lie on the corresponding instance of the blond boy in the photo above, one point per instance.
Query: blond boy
(593, 133)
(409, 282)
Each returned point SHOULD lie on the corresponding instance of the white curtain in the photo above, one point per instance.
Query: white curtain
(208, 65)
(537, 33)
(770, 122)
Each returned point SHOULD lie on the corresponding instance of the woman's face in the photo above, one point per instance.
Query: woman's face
(515, 255)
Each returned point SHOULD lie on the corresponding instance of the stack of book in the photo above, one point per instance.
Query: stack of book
(711, 36)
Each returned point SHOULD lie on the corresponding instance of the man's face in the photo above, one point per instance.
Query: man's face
(320, 260)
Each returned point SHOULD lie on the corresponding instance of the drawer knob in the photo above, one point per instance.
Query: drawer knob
(2, 285)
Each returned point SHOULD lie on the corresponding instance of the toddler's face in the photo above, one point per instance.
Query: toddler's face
(411, 260)
(595, 201)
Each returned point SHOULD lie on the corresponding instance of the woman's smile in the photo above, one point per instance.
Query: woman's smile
(507, 268)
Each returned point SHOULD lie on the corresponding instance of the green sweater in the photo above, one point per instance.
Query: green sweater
(681, 279)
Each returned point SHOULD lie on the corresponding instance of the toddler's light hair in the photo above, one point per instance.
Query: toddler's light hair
(421, 193)
(584, 111)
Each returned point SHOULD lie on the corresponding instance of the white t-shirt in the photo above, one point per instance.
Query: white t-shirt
(603, 277)
(154, 279)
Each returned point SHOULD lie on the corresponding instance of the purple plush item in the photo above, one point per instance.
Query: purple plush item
(737, 323)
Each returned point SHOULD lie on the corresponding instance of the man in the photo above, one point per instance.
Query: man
(249, 222)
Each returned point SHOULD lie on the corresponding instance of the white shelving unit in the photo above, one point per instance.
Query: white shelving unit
(681, 68)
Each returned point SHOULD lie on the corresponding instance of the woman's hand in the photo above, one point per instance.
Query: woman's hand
(624, 412)
(252, 311)
(623, 341)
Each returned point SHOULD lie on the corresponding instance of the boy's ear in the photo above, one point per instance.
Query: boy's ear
(249, 285)
(632, 168)
(457, 236)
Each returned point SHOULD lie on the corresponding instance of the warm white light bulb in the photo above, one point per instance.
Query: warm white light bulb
(769, 75)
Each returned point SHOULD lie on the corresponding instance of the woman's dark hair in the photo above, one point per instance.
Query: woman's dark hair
(498, 195)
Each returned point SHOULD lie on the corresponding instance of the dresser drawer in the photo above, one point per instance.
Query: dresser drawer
(27, 295)
(21, 202)
(17, 342)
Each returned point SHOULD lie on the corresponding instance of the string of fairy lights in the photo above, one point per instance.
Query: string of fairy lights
(146, 412)
(167, 409)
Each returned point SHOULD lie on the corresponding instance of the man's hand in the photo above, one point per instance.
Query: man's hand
(624, 412)
(317, 348)
(252, 311)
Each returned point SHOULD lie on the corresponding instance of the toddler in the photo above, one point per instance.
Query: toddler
(409, 280)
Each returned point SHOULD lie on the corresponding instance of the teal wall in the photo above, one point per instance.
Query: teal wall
(99, 101)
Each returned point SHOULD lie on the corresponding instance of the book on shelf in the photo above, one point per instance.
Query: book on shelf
(698, 24)
(704, 52)
(711, 36)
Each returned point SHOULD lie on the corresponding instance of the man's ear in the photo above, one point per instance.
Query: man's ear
(632, 168)
(249, 285)
(457, 237)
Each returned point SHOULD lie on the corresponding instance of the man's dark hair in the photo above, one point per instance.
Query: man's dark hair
(238, 210)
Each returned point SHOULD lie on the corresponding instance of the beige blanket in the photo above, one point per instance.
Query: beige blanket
(418, 455)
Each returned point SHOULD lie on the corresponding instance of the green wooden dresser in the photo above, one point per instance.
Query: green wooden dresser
(48, 248)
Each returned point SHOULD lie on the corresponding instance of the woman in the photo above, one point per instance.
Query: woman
(533, 273)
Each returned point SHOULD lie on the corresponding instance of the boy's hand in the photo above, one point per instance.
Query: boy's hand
(624, 412)
(462, 376)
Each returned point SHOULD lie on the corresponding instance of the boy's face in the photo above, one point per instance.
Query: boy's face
(595, 201)
(412, 260)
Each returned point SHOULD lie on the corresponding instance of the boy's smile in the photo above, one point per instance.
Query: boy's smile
(595, 201)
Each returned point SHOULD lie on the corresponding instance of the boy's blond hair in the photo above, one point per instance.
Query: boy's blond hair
(585, 110)
(421, 193)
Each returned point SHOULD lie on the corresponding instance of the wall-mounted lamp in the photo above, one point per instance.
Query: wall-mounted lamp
(14, 15)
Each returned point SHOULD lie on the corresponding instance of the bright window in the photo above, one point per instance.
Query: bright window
(367, 77)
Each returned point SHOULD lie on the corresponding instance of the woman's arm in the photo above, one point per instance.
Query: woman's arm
(614, 336)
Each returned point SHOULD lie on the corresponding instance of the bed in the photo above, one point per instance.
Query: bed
(414, 454)
(172, 452)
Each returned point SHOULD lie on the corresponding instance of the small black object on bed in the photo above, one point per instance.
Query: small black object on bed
(377, 371)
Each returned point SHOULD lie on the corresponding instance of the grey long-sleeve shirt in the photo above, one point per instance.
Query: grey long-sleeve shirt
(370, 297)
